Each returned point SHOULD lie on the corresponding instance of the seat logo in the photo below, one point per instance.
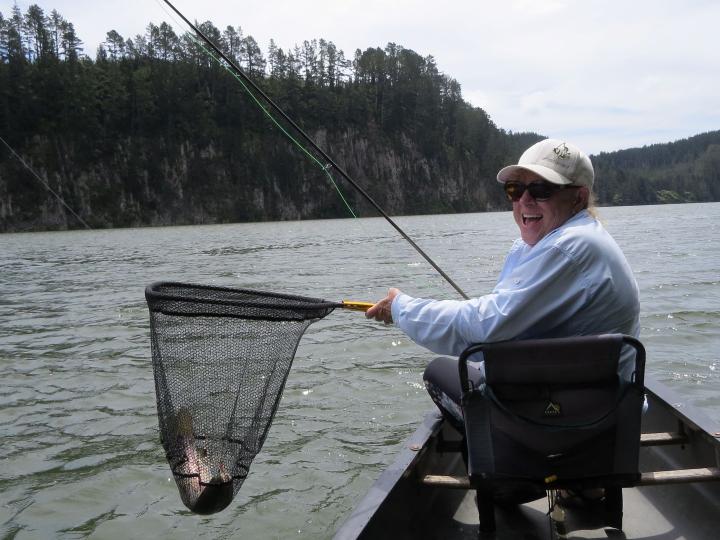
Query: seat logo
(552, 409)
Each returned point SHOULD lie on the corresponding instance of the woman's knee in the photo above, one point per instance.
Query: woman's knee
(442, 374)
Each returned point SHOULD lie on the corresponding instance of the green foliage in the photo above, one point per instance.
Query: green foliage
(153, 131)
(687, 170)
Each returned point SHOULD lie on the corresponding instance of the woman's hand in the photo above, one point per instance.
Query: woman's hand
(381, 311)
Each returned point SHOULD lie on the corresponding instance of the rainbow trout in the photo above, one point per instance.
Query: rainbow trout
(201, 491)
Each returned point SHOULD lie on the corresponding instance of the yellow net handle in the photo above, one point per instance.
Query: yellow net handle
(357, 306)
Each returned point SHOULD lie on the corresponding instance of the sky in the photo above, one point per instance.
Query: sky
(605, 75)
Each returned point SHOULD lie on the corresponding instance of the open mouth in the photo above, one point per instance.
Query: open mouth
(530, 218)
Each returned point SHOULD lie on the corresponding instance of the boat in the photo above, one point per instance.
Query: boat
(425, 493)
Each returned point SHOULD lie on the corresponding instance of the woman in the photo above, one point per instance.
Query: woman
(564, 276)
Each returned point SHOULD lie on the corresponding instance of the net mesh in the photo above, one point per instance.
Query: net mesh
(221, 357)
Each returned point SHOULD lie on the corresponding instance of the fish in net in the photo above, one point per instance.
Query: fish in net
(221, 357)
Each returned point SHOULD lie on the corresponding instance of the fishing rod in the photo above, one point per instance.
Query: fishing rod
(313, 144)
(47, 186)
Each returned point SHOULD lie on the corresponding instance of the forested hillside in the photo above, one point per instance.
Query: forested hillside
(153, 131)
(683, 171)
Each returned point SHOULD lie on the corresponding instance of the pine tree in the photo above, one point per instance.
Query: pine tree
(254, 61)
(115, 45)
(70, 44)
(232, 43)
(38, 37)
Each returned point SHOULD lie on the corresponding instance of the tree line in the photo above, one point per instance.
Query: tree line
(153, 130)
(687, 170)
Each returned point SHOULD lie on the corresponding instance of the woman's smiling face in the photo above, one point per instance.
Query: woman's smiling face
(535, 219)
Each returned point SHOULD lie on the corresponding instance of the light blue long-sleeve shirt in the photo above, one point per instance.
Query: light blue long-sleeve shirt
(574, 281)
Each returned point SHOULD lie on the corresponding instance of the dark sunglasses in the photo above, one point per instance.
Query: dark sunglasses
(540, 191)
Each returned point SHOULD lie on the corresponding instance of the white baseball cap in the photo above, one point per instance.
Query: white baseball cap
(554, 160)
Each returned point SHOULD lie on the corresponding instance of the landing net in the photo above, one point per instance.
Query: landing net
(221, 357)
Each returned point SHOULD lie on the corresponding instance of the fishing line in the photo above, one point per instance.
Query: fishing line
(222, 63)
(36, 175)
(330, 163)
(325, 168)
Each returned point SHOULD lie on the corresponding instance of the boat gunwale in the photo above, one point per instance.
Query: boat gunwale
(688, 413)
(374, 498)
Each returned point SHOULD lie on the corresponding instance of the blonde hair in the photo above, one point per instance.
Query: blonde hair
(591, 208)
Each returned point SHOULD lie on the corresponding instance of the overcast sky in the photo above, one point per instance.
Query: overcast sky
(603, 74)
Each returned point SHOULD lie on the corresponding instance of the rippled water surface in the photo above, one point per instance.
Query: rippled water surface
(80, 455)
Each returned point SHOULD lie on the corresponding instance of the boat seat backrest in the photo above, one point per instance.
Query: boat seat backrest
(554, 408)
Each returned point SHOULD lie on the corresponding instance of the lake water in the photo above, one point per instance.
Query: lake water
(80, 454)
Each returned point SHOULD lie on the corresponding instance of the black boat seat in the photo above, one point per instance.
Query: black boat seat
(553, 414)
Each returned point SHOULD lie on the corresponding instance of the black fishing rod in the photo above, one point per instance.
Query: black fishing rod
(314, 145)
